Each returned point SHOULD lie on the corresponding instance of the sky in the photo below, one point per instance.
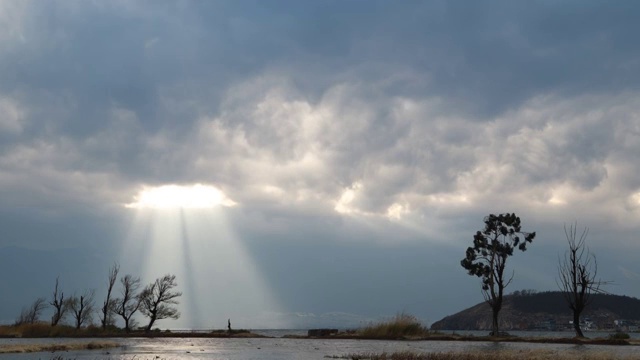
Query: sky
(312, 163)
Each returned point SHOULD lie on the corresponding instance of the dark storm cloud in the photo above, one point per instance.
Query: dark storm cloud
(482, 58)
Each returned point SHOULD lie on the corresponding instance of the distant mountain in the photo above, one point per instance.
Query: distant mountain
(547, 311)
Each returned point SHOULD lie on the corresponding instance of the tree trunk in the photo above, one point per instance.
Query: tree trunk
(576, 324)
(151, 321)
(495, 331)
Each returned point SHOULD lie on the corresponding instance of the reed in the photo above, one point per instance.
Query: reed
(401, 326)
(42, 329)
(29, 348)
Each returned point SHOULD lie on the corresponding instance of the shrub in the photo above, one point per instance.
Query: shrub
(619, 336)
(402, 325)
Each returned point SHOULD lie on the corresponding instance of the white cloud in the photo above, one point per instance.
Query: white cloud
(12, 116)
(396, 211)
(344, 203)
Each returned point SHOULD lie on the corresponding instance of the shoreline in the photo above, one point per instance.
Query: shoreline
(223, 334)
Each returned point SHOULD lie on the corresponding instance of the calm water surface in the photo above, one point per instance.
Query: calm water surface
(282, 349)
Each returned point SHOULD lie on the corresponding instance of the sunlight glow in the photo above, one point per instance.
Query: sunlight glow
(196, 196)
(396, 211)
(448, 198)
(559, 195)
(343, 205)
(557, 200)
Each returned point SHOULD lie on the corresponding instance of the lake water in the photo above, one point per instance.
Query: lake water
(542, 334)
(283, 349)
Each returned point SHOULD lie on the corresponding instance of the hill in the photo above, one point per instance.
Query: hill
(528, 310)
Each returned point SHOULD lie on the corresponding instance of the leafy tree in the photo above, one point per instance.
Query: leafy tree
(130, 302)
(156, 300)
(82, 307)
(487, 258)
(59, 306)
(577, 274)
(108, 305)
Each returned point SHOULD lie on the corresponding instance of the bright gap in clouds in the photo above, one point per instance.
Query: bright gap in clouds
(195, 196)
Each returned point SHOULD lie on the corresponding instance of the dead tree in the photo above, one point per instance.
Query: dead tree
(577, 274)
(130, 301)
(82, 308)
(31, 314)
(157, 298)
(59, 306)
(108, 304)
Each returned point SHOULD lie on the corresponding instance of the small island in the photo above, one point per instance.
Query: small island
(548, 311)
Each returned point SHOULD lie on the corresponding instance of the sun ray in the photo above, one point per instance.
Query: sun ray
(189, 280)
(218, 278)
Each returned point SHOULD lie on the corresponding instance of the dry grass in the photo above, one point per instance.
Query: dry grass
(45, 330)
(42, 330)
(402, 326)
(491, 355)
(29, 348)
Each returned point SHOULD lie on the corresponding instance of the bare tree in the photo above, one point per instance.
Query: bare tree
(130, 301)
(59, 306)
(31, 314)
(108, 304)
(577, 274)
(82, 307)
(157, 298)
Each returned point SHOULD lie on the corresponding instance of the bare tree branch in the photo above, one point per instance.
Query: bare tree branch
(129, 303)
(59, 306)
(157, 298)
(108, 305)
(82, 307)
(31, 314)
(577, 274)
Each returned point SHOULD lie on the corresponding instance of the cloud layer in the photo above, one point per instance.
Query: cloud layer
(375, 126)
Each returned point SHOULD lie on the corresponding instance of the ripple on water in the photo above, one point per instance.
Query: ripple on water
(286, 349)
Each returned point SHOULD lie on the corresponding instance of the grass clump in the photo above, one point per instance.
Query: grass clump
(619, 336)
(401, 326)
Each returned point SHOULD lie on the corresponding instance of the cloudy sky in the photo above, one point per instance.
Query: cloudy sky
(302, 163)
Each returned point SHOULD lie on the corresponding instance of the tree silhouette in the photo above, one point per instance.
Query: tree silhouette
(577, 272)
(129, 303)
(31, 314)
(487, 258)
(108, 304)
(156, 300)
(82, 307)
(59, 306)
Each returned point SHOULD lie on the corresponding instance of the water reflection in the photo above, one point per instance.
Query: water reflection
(291, 349)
